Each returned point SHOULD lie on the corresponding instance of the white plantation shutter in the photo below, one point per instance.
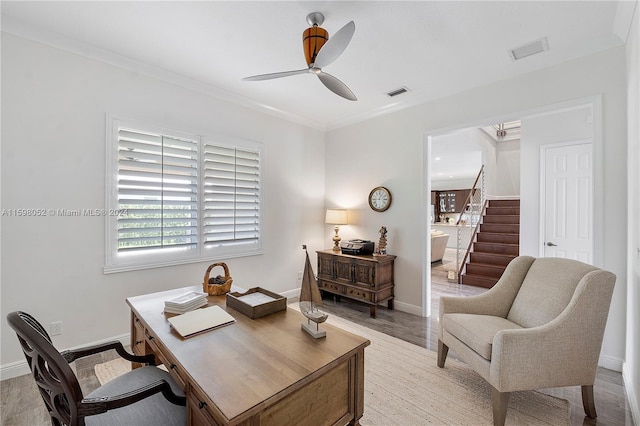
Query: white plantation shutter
(158, 190)
(178, 198)
(231, 196)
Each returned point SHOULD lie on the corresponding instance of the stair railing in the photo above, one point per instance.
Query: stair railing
(468, 222)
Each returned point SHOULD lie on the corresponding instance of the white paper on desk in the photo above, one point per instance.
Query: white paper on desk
(200, 320)
(255, 299)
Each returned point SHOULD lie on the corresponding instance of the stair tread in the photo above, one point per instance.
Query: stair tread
(480, 279)
(489, 265)
(493, 254)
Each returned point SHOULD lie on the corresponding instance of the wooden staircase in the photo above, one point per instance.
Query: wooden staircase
(497, 243)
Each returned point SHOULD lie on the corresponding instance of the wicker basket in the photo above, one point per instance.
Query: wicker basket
(218, 285)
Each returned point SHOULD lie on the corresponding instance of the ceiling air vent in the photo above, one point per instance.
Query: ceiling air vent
(529, 49)
(397, 92)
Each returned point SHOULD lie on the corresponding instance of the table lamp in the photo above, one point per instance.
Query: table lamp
(336, 217)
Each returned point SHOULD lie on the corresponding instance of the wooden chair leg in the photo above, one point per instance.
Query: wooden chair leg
(588, 401)
(500, 402)
(443, 350)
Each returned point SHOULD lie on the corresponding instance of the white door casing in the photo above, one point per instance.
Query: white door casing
(567, 200)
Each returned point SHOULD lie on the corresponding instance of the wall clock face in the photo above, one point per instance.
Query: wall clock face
(379, 199)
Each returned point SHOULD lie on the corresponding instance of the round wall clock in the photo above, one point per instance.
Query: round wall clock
(379, 199)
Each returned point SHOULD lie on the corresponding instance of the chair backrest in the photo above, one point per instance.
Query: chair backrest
(56, 381)
(546, 290)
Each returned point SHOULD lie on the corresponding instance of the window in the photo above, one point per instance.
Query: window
(177, 198)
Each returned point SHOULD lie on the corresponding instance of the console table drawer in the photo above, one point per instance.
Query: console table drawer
(356, 293)
(331, 286)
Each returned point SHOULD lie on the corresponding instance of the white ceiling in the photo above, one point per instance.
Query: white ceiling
(456, 156)
(433, 48)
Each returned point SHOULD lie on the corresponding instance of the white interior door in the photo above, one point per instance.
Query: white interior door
(567, 200)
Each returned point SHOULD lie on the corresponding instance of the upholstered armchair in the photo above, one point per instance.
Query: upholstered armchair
(540, 326)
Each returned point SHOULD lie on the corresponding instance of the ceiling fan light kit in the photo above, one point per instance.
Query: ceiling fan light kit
(314, 38)
(319, 52)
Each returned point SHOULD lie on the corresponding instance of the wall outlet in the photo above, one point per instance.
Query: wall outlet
(56, 328)
(299, 275)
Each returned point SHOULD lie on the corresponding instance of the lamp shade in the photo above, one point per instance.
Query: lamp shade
(336, 217)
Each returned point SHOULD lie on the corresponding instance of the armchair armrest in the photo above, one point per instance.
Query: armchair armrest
(498, 300)
(72, 355)
(92, 406)
(568, 347)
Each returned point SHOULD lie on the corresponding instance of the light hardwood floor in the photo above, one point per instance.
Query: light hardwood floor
(22, 406)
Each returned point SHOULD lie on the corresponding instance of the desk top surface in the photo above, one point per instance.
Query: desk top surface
(241, 365)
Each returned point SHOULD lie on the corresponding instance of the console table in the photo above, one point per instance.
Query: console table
(265, 371)
(368, 278)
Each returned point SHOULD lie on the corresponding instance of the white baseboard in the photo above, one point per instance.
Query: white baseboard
(291, 294)
(632, 395)
(610, 363)
(406, 307)
(20, 368)
(400, 306)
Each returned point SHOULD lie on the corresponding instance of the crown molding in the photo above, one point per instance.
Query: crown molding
(17, 27)
(623, 19)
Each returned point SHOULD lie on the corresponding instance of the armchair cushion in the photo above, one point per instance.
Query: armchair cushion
(538, 302)
(154, 410)
(477, 331)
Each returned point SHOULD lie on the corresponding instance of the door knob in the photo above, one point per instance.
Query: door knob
(551, 245)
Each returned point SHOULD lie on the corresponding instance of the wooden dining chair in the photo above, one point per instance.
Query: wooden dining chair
(144, 396)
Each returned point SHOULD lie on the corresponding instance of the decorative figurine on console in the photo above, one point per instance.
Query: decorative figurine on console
(382, 244)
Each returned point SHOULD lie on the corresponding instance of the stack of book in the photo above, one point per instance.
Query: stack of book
(185, 303)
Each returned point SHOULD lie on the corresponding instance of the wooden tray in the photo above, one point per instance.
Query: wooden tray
(256, 302)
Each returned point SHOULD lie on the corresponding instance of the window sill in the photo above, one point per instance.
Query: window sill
(113, 269)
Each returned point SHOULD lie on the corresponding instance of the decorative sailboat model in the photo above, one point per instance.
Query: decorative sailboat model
(310, 299)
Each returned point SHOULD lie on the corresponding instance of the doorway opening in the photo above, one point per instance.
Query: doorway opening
(516, 169)
(468, 166)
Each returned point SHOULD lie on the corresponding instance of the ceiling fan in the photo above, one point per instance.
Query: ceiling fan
(320, 51)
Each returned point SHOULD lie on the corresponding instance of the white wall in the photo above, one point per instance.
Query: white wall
(461, 154)
(53, 156)
(451, 184)
(570, 125)
(631, 368)
(508, 168)
(565, 126)
(389, 151)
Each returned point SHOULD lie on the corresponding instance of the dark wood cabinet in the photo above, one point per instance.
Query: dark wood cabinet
(368, 279)
(461, 199)
(452, 201)
(447, 201)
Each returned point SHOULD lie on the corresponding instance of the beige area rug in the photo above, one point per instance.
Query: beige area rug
(404, 386)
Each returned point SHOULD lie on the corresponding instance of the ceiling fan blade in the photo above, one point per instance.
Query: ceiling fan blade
(275, 75)
(335, 46)
(336, 86)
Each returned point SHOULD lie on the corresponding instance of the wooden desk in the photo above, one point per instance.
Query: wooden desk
(265, 371)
